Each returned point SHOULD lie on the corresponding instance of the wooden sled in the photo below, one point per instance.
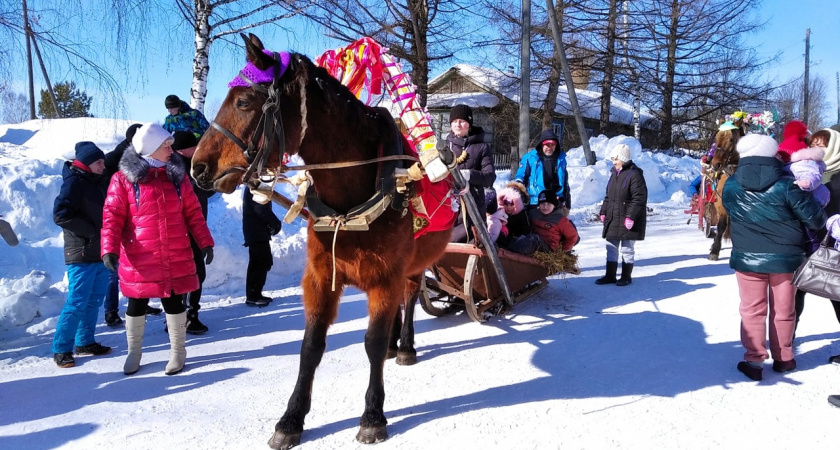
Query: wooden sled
(464, 278)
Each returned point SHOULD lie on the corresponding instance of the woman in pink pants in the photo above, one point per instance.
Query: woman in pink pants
(768, 212)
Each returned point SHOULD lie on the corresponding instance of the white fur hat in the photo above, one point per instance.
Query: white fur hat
(755, 144)
(149, 138)
(621, 152)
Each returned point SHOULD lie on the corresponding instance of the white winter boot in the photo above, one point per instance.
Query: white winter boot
(177, 327)
(134, 328)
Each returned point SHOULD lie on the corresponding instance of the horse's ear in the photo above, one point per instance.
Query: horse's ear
(254, 52)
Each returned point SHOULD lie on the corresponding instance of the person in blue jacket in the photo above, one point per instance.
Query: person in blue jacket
(183, 118)
(544, 168)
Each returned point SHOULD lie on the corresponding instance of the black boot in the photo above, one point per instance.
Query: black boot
(612, 268)
(626, 272)
(194, 326)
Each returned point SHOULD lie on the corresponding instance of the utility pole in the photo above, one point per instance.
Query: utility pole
(560, 52)
(524, 87)
(805, 94)
(838, 96)
(28, 34)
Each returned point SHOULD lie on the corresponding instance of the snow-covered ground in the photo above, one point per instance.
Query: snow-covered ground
(577, 366)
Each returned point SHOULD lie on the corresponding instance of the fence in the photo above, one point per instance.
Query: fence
(501, 161)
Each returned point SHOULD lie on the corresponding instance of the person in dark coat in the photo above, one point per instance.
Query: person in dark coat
(78, 211)
(624, 213)
(768, 212)
(112, 297)
(544, 167)
(184, 145)
(475, 161)
(258, 225)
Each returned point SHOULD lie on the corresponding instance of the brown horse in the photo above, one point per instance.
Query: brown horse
(723, 164)
(310, 113)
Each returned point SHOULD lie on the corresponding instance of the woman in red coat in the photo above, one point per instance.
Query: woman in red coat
(150, 213)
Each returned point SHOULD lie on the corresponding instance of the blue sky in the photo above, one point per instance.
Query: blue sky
(787, 21)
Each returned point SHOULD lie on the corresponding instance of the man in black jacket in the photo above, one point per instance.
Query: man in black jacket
(258, 225)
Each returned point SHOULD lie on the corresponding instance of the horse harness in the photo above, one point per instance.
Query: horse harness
(391, 189)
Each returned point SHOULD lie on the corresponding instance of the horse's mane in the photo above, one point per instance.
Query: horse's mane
(338, 101)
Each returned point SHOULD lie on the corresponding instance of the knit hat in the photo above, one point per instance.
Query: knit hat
(547, 135)
(257, 75)
(755, 144)
(462, 112)
(149, 138)
(621, 152)
(547, 196)
(131, 130)
(832, 152)
(183, 140)
(172, 101)
(88, 153)
(793, 139)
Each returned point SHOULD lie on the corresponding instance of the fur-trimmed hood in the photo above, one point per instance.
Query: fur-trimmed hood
(812, 153)
(136, 168)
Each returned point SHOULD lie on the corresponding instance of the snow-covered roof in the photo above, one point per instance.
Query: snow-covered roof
(507, 85)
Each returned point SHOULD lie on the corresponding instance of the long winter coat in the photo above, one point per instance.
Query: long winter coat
(479, 162)
(767, 212)
(78, 211)
(258, 220)
(531, 172)
(151, 229)
(626, 197)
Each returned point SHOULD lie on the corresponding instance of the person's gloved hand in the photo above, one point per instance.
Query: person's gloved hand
(628, 223)
(603, 217)
(274, 229)
(207, 254)
(110, 260)
(465, 173)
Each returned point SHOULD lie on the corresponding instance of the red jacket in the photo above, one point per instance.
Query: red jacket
(556, 229)
(153, 241)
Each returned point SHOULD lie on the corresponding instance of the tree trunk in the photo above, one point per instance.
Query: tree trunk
(609, 66)
(670, 75)
(201, 62)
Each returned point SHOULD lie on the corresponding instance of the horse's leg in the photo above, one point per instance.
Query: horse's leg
(321, 306)
(396, 330)
(714, 252)
(407, 355)
(383, 301)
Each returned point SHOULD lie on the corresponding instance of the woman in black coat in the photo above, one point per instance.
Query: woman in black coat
(624, 213)
(258, 225)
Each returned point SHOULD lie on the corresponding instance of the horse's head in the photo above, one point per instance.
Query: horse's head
(725, 152)
(247, 137)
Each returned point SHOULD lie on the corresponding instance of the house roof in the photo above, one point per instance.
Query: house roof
(506, 84)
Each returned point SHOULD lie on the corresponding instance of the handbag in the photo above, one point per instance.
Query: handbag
(820, 273)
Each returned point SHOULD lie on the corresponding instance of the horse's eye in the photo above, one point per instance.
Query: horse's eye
(242, 103)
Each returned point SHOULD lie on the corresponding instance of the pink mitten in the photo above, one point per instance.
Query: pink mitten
(603, 217)
(628, 223)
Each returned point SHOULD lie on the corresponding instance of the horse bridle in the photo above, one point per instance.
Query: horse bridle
(259, 147)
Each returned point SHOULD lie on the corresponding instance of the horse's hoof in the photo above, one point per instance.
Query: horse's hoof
(281, 441)
(392, 353)
(372, 435)
(713, 256)
(406, 359)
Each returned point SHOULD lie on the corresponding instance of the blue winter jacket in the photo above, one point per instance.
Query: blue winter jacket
(531, 174)
(768, 212)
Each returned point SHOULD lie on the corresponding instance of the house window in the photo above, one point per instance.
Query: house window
(557, 128)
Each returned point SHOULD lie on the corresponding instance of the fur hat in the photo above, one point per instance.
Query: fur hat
(621, 152)
(88, 153)
(183, 140)
(462, 112)
(757, 145)
(172, 101)
(793, 139)
(547, 196)
(149, 138)
(513, 196)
